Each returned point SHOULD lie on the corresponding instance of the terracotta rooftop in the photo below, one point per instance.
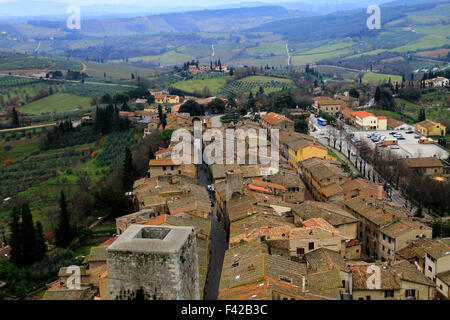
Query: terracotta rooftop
(408, 272)
(439, 249)
(324, 259)
(273, 118)
(362, 114)
(361, 273)
(423, 162)
(399, 228)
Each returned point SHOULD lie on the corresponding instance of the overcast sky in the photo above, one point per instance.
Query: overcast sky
(164, 3)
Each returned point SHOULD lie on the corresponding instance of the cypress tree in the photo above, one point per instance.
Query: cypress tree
(15, 240)
(63, 233)
(377, 94)
(128, 170)
(41, 247)
(28, 237)
(15, 118)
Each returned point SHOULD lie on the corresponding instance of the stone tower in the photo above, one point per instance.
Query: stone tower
(235, 183)
(154, 263)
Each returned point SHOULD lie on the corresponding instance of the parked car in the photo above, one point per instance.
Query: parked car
(395, 147)
(393, 133)
(417, 136)
(401, 138)
(409, 132)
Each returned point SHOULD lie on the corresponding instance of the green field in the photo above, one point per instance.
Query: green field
(376, 78)
(253, 83)
(299, 60)
(58, 102)
(391, 115)
(190, 86)
(168, 58)
(116, 71)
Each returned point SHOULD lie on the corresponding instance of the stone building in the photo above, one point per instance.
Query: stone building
(154, 263)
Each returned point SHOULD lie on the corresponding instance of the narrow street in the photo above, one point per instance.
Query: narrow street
(218, 243)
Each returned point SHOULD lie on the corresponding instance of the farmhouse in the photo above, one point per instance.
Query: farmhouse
(429, 128)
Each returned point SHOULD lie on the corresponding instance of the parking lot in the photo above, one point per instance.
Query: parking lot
(409, 148)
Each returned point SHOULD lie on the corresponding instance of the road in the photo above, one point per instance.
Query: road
(72, 81)
(288, 55)
(28, 128)
(217, 246)
(321, 134)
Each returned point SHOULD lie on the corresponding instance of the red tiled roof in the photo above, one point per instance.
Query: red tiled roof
(362, 114)
(274, 118)
(260, 189)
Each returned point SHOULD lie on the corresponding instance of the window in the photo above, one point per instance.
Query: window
(367, 297)
(389, 293)
(410, 293)
(361, 299)
(311, 246)
(430, 268)
(343, 283)
(300, 250)
(164, 168)
(285, 279)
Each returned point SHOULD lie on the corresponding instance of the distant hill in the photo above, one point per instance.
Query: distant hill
(337, 25)
(222, 20)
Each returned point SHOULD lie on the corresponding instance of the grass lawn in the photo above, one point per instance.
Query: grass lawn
(58, 102)
(213, 84)
(390, 114)
(83, 251)
(116, 71)
(376, 78)
(299, 60)
(168, 58)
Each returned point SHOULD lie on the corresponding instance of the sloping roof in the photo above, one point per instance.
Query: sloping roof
(428, 124)
(429, 162)
(324, 259)
(271, 185)
(325, 283)
(274, 118)
(253, 266)
(394, 123)
(415, 248)
(241, 206)
(332, 190)
(259, 189)
(408, 272)
(361, 273)
(332, 213)
(62, 293)
(401, 227)
(156, 163)
(218, 171)
(362, 114)
(97, 254)
(378, 212)
(439, 249)
(445, 277)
